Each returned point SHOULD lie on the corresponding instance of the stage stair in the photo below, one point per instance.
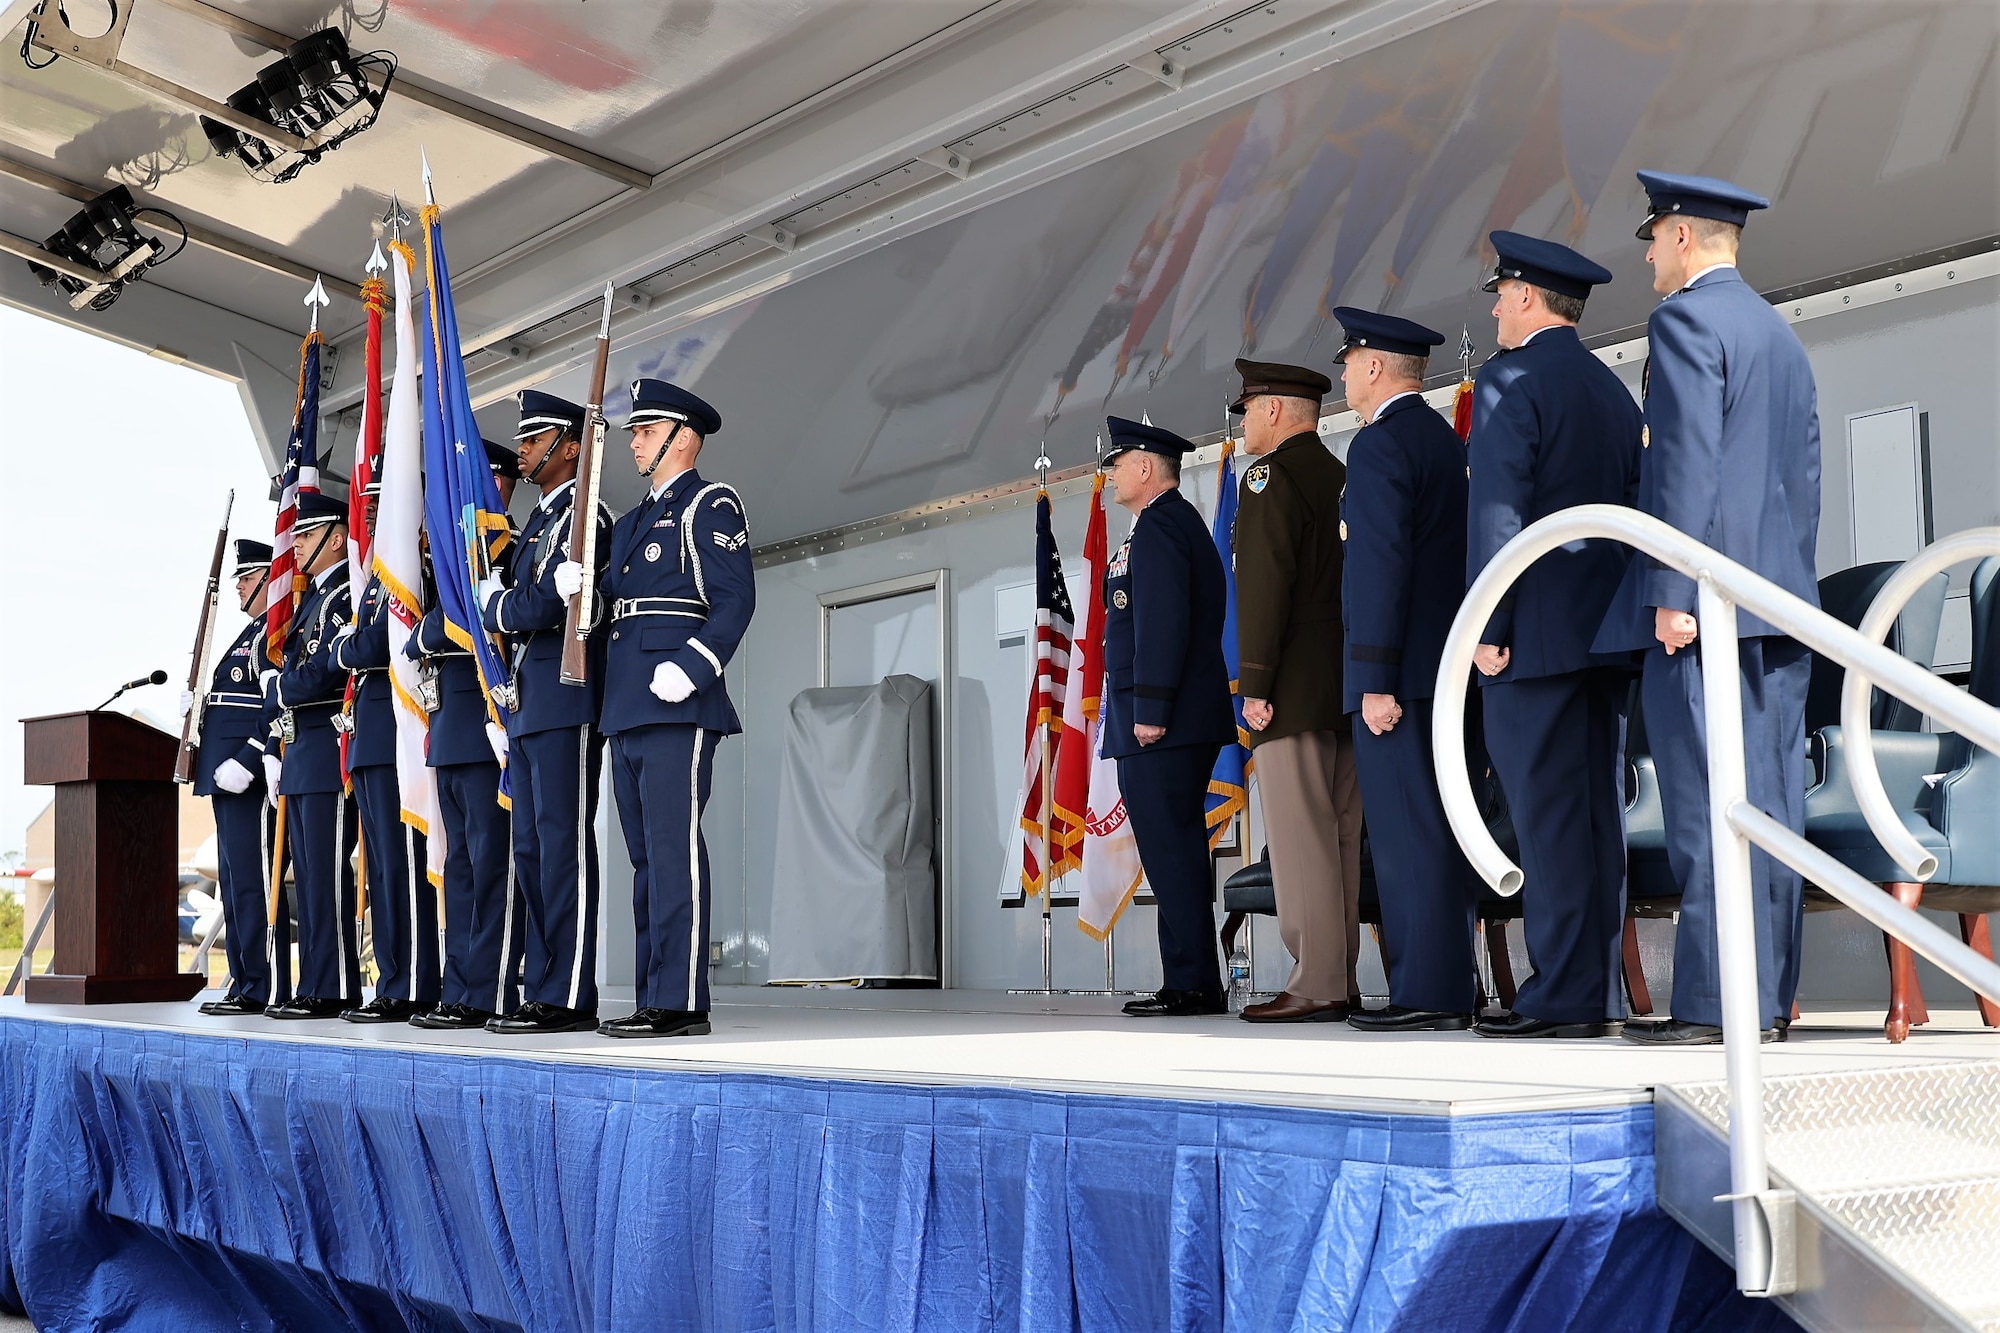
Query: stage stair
(1896, 1174)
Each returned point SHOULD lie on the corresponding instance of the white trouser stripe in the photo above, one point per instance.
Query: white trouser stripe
(694, 864)
(582, 858)
(340, 866)
(264, 823)
(506, 935)
(410, 875)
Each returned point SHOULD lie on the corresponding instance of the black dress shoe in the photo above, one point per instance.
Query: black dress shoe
(1179, 1004)
(1520, 1025)
(1396, 1018)
(448, 1017)
(382, 1009)
(307, 1006)
(230, 1007)
(658, 1023)
(534, 1016)
(1673, 1032)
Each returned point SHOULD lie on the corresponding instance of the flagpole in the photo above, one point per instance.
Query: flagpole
(1048, 799)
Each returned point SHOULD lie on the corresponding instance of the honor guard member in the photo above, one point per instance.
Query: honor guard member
(1552, 427)
(1288, 562)
(1167, 712)
(1731, 459)
(402, 906)
(553, 750)
(229, 766)
(309, 690)
(1403, 520)
(680, 592)
(482, 913)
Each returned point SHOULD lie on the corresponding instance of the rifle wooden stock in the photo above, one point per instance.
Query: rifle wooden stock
(577, 622)
(204, 628)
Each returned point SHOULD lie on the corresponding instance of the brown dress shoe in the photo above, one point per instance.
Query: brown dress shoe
(1286, 1007)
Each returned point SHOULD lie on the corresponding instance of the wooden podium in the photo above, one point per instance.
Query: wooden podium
(117, 842)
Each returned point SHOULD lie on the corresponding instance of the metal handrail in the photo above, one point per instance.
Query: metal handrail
(1918, 570)
(1763, 1242)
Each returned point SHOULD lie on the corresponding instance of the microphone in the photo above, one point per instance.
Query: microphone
(157, 678)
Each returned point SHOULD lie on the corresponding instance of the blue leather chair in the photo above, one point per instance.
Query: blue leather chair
(1846, 596)
(1947, 793)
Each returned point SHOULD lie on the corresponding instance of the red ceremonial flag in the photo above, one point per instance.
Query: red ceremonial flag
(1082, 700)
(1054, 621)
(367, 455)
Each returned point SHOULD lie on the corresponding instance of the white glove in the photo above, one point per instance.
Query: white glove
(496, 736)
(187, 702)
(488, 586)
(671, 683)
(569, 579)
(266, 681)
(233, 778)
(272, 767)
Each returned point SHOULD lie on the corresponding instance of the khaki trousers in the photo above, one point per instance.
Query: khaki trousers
(1312, 819)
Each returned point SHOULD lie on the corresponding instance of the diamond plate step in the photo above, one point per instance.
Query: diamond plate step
(1898, 1177)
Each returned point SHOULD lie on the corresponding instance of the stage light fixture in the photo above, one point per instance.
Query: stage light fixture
(105, 238)
(318, 90)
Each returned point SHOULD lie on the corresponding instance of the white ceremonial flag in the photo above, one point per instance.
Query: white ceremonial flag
(399, 563)
(1111, 872)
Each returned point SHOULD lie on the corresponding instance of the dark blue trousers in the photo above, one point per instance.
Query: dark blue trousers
(1558, 744)
(482, 913)
(1165, 791)
(244, 827)
(1429, 893)
(402, 906)
(321, 828)
(1774, 672)
(660, 776)
(554, 782)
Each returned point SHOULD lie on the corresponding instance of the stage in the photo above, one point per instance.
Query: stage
(857, 1160)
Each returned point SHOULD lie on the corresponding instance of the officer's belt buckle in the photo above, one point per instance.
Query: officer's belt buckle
(288, 727)
(507, 696)
(343, 723)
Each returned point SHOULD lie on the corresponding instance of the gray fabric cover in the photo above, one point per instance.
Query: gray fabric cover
(855, 890)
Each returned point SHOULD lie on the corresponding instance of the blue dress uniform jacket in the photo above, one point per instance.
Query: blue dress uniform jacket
(458, 726)
(555, 755)
(320, 820)
(235, 723)
(1733, 459)
(1163, 595)
(529, 609)
(1163, 661)
(1732, 426)
(679, 588)
(313, 687)
(1552, 427)
(402, 906)
(1403, 518)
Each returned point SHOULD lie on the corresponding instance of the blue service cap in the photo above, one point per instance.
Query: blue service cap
(317, 509)
(504, 461)
(1541, 263)
(251, 556)
(1128, 435)
(1695, 197)
(657, 400)
(1383, 333)
(544, 411)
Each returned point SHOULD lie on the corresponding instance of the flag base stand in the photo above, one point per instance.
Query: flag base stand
(1048, 987)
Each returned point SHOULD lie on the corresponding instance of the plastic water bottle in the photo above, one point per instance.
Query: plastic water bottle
(1239, 980)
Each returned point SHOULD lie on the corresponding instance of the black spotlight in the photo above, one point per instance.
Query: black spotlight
(104, 238)
(320, 91)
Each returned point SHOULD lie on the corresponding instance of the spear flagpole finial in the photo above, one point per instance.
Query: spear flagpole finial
(315, 299)
(424, 157)
(377, 261)
(396, 218)
(1465, 349)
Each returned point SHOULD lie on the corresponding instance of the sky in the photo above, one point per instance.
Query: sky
(118, 465)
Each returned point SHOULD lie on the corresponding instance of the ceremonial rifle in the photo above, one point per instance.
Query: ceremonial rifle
(583, 515)
(204, 627)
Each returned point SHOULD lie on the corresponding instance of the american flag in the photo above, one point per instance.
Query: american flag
(1054, 622)
(1082, 700)
(301, 475)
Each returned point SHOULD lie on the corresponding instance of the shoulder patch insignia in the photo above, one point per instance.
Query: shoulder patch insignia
(729, 543)
(1257, 478)
(725, 501)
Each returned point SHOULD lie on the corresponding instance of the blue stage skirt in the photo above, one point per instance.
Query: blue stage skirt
(159, 1180)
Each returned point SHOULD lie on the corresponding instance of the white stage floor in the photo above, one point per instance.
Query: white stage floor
(1083, 1044)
